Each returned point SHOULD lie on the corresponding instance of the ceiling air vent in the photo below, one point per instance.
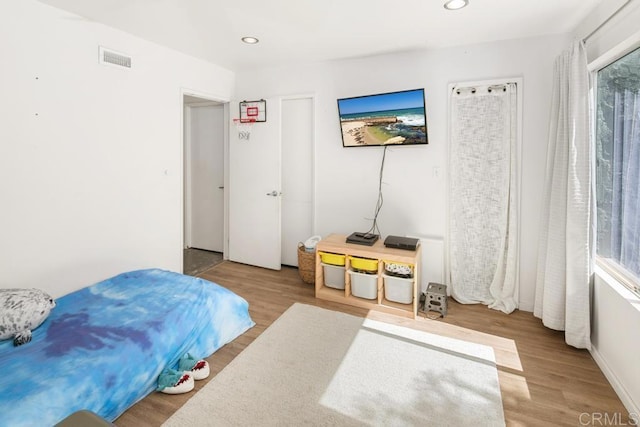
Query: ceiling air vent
(111, 57)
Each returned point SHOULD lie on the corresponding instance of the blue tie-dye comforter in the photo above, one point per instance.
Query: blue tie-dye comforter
(103, 347)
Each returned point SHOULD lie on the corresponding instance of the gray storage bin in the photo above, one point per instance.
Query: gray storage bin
(364, 285)
(398, 289)
(333, 276)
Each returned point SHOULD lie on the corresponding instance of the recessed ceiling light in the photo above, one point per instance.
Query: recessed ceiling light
(455, 4)
(250, 40)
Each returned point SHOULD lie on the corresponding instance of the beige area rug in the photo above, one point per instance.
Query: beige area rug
(324, 368)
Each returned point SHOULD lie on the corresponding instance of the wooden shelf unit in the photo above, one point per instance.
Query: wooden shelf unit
(336, 243)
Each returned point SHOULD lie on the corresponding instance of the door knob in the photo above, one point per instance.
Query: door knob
(221, 187)
(274, 193)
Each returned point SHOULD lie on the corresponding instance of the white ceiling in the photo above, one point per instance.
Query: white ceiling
(318, 30)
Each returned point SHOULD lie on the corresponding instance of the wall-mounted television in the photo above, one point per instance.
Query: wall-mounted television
(396, 118)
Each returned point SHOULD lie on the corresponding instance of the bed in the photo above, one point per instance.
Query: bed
(103, 347)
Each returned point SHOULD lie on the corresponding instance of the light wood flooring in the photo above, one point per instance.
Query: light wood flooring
(543, 381)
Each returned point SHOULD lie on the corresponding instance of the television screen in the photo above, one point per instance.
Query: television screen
(383, 119)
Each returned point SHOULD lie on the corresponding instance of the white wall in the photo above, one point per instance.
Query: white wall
(414, 199)
(90, 155)
(615, 338)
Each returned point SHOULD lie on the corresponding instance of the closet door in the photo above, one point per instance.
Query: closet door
(271, 185)
(297, 175)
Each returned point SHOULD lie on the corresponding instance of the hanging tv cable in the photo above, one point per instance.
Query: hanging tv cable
(374, 227)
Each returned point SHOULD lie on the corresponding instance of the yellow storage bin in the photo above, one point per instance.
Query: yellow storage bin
(364, 264)
(332, 259)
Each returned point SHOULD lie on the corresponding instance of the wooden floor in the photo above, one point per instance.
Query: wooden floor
(543, 381)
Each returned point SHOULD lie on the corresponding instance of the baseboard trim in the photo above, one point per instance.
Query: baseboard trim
(618, 387)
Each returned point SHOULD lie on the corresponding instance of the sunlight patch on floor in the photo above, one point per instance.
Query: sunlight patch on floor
(505, 349)
(394, 375)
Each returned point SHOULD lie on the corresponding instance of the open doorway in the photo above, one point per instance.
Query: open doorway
(204, 139)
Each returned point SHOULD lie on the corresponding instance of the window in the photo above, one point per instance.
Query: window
(618, 167)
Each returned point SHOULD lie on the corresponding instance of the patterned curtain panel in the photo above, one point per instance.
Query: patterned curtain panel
(483, 196)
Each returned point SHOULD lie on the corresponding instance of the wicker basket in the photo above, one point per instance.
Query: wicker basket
(306, 265)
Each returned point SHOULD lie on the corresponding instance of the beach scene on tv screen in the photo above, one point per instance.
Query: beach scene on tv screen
(390, 118)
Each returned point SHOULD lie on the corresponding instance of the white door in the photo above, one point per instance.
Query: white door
(206, 178)
(255, 191)
(297, 175)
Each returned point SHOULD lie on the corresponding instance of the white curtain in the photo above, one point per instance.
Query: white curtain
(562, 298)
(483, 196)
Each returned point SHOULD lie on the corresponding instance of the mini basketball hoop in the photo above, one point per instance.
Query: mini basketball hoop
(243, 127)
(256, 110)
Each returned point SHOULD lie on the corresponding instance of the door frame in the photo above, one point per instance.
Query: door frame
(185, 145)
